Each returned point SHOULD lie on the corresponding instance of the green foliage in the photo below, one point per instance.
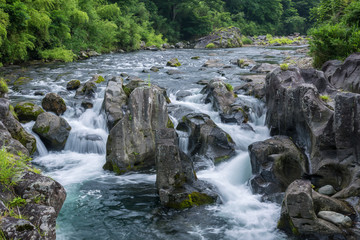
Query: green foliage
(3, 86)
(59, 54)
(325, 98)
(284, 66)
(17, 202)
(281, 40)
(246, 41)
(229, 87)
(211, 45)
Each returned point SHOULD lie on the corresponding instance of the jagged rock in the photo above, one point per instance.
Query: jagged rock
(222, 38)
(206, 138)
(336, 218)
(27, 111)
(73, 84)
(14, 127)
(219, 95)
(114, 101)
(40, 189)
(327, 190)
(176, 181)
(131, 142)
(330, 67)
(53, 130)
(296, 110)
(88, 90)
(264, 68)
(42, 216)
(298, 216)
(347, 77)
(174, 62)
(87, 104)
(12, 145)
(275, 163)
(213, 63)
(254, 85)
(13, 228)
(54, 103)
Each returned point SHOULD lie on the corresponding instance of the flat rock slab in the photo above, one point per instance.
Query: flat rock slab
(336, 218)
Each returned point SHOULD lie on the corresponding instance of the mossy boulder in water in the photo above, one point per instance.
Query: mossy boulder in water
(3, 88)
(27, 111)
(54, 103)
(73, 84)
(174, 62)
(53, 130)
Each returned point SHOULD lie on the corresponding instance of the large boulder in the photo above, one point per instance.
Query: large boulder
(39, 189)
(115, 101)
(295, 109)
(13, 228)
(131, 142)
(14, 127)
(299, 215)
(221, 95)
(206, 138)
(330, 67)
(53, 130)
(54, 103)
(27, 111)
(275, 163)
(347, 76)
(221, 38)
(176, 181)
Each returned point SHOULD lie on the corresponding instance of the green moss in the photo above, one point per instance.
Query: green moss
(325, 98)
(11, 109)
(26, 111)
(127, 90)
(22, 80)
(3, 86)
(170, 124)
(246, 41)
(229, 87)
(43, 130)
(284, 66)
(210, 45)
(194, 199)
(174, 63)
(220, 159)
(229, 138)
(100, 79)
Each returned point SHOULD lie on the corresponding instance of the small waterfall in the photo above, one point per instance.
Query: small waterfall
(40, 146)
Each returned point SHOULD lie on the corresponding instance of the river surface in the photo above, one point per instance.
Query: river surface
(102, 205)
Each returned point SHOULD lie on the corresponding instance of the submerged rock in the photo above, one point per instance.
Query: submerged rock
(174, 62)
(54, 103)
(176, 181)
(206, 138)
(27, 111)
(73, 84)
(52, 130)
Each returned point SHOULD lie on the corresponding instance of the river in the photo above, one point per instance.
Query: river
(102, 205)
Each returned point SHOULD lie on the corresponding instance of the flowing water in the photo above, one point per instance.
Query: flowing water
(102, 205)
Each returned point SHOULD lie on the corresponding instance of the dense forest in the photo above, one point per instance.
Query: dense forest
(59, 29)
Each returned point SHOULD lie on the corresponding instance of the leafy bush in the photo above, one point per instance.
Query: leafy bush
(246, 41)
(59, 54)
(211, 45)
(284, 66)
(3, 86)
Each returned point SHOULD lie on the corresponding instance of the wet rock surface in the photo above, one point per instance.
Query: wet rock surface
(54, 103)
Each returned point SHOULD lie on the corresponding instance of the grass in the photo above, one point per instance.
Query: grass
(246, 41)
(325, 98)
(284, 66)
(58, 54)
(229, 87)
(211, 45)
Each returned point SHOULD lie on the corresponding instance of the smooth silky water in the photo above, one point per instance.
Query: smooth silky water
(102, 205)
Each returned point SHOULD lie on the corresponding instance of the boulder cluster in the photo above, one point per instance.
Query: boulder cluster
(317, 113)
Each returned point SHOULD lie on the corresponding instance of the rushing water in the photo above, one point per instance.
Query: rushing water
(101, 205)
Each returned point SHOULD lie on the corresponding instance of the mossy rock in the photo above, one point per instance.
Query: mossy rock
(174, 62)
(27, 111)
(73, 84)
(210, 45)
(170, 124)
(193, 199)
(195, 58)
(22, 80)
(3, 87)
(99, 79)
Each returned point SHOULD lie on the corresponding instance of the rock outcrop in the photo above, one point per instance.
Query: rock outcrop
(14, 127)
(206, 139)
(176, 181)
(53, 130)
(275, 163)
(27, 111)
(302, 214)
(131, 142)
(54, 103)
(221, 38)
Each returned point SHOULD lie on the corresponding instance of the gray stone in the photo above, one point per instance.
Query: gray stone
(327, 190)
(27, 111)
(52, 130)
(12, 145)
(336, 218)
(264, 68)
(13, 228)
(213, 63)
(54, 103)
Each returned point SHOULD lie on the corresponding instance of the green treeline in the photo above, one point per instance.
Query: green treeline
(58, 29)
(336, 33)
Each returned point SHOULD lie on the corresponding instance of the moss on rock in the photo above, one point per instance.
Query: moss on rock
(170, 124)
(193, 199)
(100, 79)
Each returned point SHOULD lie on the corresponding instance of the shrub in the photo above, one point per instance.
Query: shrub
(284, 66)
(325, 98)
(3, 86)
(246, 40)
(211, 45)
(58, 54)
